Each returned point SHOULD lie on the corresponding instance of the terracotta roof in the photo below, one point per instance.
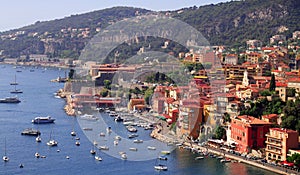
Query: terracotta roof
(269, 116)
(283, 130)
(252, 120)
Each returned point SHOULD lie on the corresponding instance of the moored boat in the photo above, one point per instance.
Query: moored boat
(10, 100)
(161, 167)
(31, 131)
(43, 120)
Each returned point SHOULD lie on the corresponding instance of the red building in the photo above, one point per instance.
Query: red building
(249, 132)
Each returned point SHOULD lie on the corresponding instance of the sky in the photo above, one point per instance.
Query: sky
(19, 13)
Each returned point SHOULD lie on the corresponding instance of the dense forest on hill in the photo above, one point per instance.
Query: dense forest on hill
(230, 23)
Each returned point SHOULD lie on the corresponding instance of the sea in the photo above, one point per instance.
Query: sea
(38, 99)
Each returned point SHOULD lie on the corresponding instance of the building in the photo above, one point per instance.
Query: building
(137, 104)
(271, 118)
(190, 118)
(248, 132)
(278, 143)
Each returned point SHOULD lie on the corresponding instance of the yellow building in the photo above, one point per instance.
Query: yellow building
(278, 142)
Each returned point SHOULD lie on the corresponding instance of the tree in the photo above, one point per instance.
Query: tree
(71, 74)
(148, 94)
(220, 132)
(272, 83)
(107, 84)
(295, 158)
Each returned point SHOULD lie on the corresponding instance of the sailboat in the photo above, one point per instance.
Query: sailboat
(15, 91)
(93, 150)
(14, 82)
(38, 137)
(73, 133)
(51, 141)
(97, 157)
(5, 157)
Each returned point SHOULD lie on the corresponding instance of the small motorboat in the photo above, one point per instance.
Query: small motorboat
(151, 148)
(161, 167)
(98, 158)
(37, 155)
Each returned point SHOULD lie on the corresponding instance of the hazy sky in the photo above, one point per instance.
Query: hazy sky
(18, 13)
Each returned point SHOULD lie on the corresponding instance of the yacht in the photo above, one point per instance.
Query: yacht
(43, 120)
(10, 100)
(31, 131)
(52, 143)
(131, 129)
(77, 143)
(104, 147)
(89, 117)
(161, 167)
(151, 148)
(138, 141)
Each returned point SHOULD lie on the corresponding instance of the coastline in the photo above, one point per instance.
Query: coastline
(156, 134)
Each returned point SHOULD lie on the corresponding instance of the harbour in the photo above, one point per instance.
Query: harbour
(38, 99)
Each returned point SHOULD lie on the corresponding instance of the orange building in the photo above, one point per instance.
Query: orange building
(248, 132)
(137, 104)
(278, 143)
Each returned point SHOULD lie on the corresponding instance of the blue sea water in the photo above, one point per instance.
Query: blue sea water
(38, 100)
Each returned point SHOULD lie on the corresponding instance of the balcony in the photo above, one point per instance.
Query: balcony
(274, 151)
(275, 143)
(274, 137)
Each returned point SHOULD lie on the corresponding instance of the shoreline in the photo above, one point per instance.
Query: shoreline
(155, 134)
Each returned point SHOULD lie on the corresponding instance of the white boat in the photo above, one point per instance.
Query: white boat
(225, 160)
(89, 117)
(73, 133)
(5, 157)
(124, 156)
(138, 141)
(161, 167)
(131, 129)
(108, 129)
(77, 143)
(132, 135)
(151, 148)
(102, 134)
(38, 139)
(199, 158)
(43, 120)
(93, 151)
(104, 147)
(98, 158)
(165, 152)
(52, 143)
(116, 142)
(37, 155)
(117, 138)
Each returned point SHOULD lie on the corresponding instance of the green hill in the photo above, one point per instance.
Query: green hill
(230, 23)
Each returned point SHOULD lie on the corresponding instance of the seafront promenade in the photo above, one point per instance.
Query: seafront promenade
(157, 134)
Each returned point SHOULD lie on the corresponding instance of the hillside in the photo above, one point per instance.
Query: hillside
(233, 23)
(230, 23)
